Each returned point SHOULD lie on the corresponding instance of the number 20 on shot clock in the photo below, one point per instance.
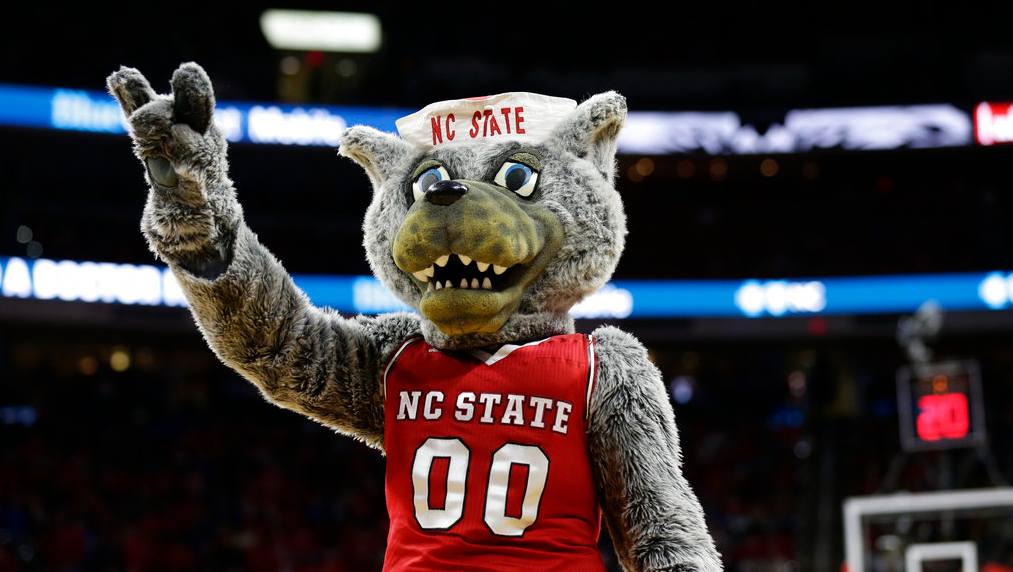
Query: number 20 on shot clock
(940, 405)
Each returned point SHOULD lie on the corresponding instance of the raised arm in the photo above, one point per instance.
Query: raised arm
(653, 515)
(251, 313)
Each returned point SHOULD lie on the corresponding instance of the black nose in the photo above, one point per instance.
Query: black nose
(445, 192)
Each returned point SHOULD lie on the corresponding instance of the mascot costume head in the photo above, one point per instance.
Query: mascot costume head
(491, 217)
(494, 216)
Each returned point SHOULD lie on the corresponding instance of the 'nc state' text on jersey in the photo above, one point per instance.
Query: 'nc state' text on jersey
(486, 407)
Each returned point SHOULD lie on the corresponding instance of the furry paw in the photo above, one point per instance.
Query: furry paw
(192, 98)
(191, 212)
(174, 135)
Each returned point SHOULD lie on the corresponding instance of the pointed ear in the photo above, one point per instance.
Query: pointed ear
(592, 130)
(379, 153)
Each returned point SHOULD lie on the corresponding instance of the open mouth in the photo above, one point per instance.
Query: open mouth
(460, 271)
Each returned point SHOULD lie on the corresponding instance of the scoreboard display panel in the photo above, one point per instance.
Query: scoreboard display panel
(940, 405)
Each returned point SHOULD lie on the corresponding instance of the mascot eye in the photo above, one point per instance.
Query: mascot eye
(428, 178)
(517, 177)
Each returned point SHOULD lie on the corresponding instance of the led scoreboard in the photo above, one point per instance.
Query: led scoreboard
(940, 405)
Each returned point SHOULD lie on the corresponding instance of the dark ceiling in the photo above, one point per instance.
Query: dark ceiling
(677, 55)
(866, 212)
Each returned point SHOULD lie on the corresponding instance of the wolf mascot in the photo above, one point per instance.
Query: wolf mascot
(506, 434)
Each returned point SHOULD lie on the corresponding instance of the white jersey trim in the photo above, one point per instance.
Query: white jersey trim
(393, 359)
(591, 374)
(504, 350)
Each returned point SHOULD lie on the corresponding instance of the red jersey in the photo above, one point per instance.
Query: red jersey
(487, 464)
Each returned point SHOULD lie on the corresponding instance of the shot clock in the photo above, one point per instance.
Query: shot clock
(940, 405)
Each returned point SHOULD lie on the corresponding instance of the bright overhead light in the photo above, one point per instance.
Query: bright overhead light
(324, 31)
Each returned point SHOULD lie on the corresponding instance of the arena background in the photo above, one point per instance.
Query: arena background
(127, 447)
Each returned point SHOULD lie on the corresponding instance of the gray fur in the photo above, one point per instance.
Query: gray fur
(329, 368)
(579, 155)
(653, 516)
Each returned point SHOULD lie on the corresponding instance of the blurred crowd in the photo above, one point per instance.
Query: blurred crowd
(183, 468)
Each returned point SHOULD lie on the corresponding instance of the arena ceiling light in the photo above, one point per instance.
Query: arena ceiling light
(325, 31)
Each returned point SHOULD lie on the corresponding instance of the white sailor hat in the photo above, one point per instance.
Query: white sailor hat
(519, 116)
